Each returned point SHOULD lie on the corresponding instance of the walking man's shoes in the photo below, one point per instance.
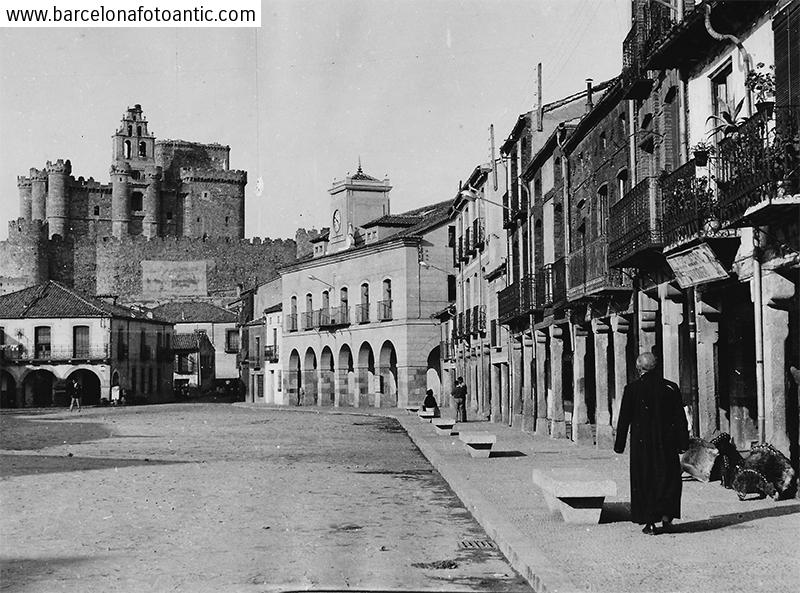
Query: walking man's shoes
(649, 529)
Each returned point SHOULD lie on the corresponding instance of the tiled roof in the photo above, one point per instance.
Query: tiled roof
(54, 300)
(273, 309)
(185, 342)
(194, 312)
(393, 220)
(361, 176)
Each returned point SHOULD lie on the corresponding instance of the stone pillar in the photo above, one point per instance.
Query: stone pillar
(506, 393)
(120, 199)
(24, 185)
(411, 385)
(19, 400)
(581, 429)
(57, 196)
(671, 319)
(541, 387)
(777, 293)
(151, 203)
(605, 437)
(38, 195)
(620, 326)
(496, 392)
(517, 377)
(707, 319)
(528, 409)
(555, 405)
(648, 326)
(447, 388)
(486, 370)
(326, 388)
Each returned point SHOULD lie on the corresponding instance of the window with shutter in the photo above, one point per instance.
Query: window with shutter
(786, 28)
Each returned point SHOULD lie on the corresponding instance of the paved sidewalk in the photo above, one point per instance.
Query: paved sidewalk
(720, 544)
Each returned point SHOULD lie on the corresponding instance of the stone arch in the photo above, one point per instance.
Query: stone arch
(39, 388)
(433, 372)
(366, 375)
(294, 378)
(90, 386)
(8, 390)
(387, 363)
(310, 378)
(327, 376)
(345, 377)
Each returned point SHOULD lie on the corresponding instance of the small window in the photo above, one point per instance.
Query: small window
(2, 336)
(227, 219)
(127, 149)
(138, 130)
(134, 174)
(143, 149)
(622, 183)
(603, 141)
(41, 338)
(130, 130)
(96, 210)
(136, 201)
(80, 341)
(169, 215)
(205, 194)
(232, 340)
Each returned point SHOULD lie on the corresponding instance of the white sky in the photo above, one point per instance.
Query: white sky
(411, 86)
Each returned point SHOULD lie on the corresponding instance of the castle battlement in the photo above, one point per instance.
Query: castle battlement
(189, 144)
(22, 229)
(60, 166)
(37, 174)
(213, 175)
(173, 241)
(23, 181)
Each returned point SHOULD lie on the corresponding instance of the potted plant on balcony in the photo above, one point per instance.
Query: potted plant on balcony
(728, 120)
(702, 150)
(761, 82)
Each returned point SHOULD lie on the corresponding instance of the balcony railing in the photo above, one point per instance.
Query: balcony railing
(271, 352)
(508, 303)
(635, 80)
(551, 284)
(308, 320)
(58, 353)
(657, 21)
(589, 273)
(291, 322)
(467, 329)
(469, 242)
(385, 310)
(508, 207)
(362, 313)
(757, 165)
(478, 320)
(335, 316)
(527, 293)
(479, 233)
(447, 350)
(636, 226)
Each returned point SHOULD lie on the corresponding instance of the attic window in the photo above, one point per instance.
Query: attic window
(97, 210)
(169, 215)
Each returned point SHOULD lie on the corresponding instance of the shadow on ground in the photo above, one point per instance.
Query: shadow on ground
(18, 574)
(732, 519)
(25, 465)
(507, 454)
(18, 433)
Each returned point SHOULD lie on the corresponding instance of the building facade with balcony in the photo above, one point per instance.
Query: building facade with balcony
(194, 363)
(50, 334)
(358, 325)
(477, 343)
(265, 337)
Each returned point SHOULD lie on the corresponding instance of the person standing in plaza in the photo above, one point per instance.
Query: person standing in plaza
(460, 397)
(74, 390)
(653, 411)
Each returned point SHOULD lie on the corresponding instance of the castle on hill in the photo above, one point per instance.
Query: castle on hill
(169, 225)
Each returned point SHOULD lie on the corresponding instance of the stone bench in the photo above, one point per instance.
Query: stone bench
(478, 444)
(574, 492)
(412, 409)
(444, 426)
(425, 415)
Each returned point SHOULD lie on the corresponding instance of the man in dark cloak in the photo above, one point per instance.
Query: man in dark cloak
(653, 410)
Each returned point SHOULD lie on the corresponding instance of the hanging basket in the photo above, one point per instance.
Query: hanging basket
(701, 158)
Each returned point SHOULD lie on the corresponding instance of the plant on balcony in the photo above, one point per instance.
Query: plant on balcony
(702, 150)
(691, 198)
(728, 121)
(761, 81)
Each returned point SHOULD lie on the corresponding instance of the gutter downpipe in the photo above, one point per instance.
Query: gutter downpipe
(758, 299)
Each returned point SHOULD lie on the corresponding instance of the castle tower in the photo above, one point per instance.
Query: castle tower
(355, 200)
(151, 202)
(133, 143)
(120, 199)
(24, 185)
(38, 194)
(57, 196)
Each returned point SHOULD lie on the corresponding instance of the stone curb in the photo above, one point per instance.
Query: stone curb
(534, 566)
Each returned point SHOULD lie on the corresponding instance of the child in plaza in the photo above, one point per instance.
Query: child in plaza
(430, 403)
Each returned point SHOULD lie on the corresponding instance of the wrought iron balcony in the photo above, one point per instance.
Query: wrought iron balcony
(634, 78)
(469, 243)
(479, 233)
(271, 352)
(447, 350)
(362, 313)
(509, 206)
(527, 293)
(758, 169)
(478, 320)
(309, 321)
(590, 274)
(385, 310)
(508, 305)
(467, 328)
(635, 228)
(338, 316)
(551, 284)
(291, 322)
(21, 354)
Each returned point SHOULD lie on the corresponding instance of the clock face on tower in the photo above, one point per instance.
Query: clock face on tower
(337, 221)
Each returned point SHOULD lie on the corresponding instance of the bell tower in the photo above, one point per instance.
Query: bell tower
(132, 142)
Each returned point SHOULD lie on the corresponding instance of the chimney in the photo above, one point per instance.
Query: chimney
(539, 114)
(589, 103)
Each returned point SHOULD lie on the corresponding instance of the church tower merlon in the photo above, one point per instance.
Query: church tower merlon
(132, 142)
(38, 194)
(152, 211)
(120, 199)
(24, 185)
(57, 196)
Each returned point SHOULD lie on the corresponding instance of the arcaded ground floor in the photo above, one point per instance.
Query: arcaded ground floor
(213, 497)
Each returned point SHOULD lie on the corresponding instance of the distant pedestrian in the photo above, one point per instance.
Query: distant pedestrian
(74, 392)
(300, 396)
(460, 397)
(653, 410)
(115, 395)
(430, 403)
